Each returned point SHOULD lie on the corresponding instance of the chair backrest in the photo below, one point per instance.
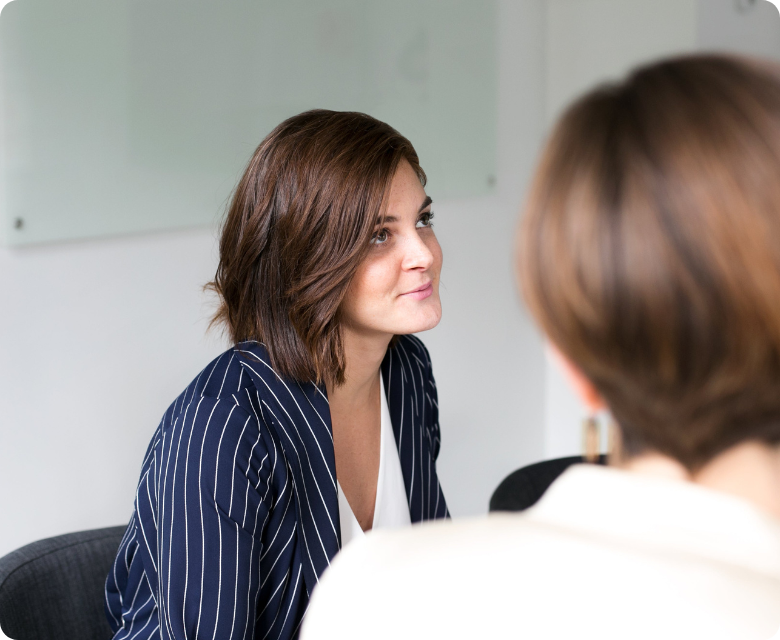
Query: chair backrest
(53, 588)
(523, 488)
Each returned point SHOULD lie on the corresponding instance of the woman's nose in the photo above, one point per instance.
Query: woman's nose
(417, 255)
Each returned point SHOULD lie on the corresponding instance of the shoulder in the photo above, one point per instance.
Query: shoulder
(219, 379)
(476, 577)
(219, 407)
(421, 554)
(231, 375)
(252, 352)
(415, 549)
(429, 571)
(517, 575)
(255, 362)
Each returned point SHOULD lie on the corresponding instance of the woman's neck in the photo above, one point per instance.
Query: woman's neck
(750, 471)
(363, 355)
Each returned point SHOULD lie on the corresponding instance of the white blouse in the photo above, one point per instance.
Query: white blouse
(391, 509)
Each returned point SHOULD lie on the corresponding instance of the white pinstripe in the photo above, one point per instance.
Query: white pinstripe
(216, 509)
(200, 504)
(186, 528)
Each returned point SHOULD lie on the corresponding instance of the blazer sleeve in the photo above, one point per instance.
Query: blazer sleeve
(213, 506)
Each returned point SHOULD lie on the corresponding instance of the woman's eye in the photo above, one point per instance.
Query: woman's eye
(426, 220)
(380, 237)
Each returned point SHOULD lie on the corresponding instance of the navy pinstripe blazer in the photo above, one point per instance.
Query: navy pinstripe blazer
(236, 512)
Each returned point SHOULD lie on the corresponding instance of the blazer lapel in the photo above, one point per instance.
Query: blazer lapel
(300, 418)
(406, 417)
(407, 379)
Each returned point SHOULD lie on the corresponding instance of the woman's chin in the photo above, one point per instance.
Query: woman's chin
(424, 323)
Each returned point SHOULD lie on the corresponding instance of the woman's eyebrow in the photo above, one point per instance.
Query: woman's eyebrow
(390, 219)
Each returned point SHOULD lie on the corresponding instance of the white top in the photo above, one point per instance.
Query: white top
(391, 509)
(605, 554)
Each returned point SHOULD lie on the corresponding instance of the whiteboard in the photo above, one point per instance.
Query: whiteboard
(127, 116)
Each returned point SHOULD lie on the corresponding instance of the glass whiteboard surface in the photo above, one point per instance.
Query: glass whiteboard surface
(123, 116)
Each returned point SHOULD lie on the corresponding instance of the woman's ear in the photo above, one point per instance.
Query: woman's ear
(586, 392)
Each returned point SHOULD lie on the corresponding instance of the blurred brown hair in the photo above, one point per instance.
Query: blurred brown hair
(650, 252)
(298, 226)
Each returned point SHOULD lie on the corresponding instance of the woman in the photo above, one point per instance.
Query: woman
(322, 422)
(650, 256)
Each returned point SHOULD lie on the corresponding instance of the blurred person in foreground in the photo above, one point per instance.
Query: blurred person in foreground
(649, 254)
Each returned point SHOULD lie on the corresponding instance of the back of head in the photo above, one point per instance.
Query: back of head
(650, 252)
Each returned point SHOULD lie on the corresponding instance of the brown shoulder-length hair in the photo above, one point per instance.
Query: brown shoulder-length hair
(650, 252)
(299, 224)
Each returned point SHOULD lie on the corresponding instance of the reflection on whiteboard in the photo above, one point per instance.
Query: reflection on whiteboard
(134, 115)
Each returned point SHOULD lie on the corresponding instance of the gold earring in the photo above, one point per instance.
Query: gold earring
(590, 439)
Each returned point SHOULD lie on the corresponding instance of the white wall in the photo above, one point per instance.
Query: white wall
(98, 337)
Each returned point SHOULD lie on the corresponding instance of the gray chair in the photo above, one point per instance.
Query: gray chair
(53, 588)
(523, 488)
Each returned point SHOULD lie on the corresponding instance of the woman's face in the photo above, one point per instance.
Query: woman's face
(396, 287)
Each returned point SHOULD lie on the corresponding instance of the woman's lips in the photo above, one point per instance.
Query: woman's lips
(421, 293)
